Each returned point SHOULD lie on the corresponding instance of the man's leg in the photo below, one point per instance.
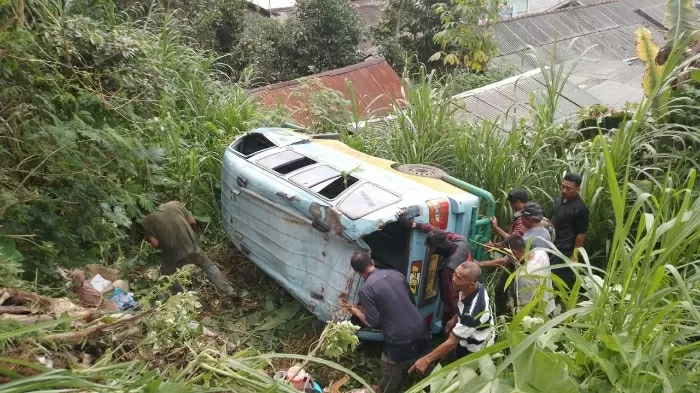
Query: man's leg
(212, 271)
(500, 293)
(393, 375)
(168, 268)
(448, 294)
(565, 273)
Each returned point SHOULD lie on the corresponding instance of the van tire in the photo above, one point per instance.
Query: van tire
(422, 170)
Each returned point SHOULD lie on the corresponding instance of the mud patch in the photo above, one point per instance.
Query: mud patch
(329, 216)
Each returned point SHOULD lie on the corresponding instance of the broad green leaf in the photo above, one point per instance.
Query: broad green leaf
(680, 20)
(527, 371)
(695, 75)
(647, 51)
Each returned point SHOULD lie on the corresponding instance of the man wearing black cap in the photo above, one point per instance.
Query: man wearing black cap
(454, 250)
(532, 216)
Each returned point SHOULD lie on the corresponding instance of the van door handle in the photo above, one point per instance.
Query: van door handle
(241, 181)
(287, 196)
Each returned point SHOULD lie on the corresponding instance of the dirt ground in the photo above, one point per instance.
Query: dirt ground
(255, 289)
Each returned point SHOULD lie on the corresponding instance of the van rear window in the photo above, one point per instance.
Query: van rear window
(252, 143)
(285, 162)
(366, 199)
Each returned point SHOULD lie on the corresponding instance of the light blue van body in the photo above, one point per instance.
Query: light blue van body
(298, 207)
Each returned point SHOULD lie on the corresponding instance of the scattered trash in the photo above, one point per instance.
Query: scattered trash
(45, 361)
(299, 379)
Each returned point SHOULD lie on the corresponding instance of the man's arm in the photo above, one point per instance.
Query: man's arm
(356, 311)
(149, 231)
(494, 263)
(422, 364)
(518, 227)
(581, 227)
(186, 213)
(451, 236)
(369, 314)
(500, 232)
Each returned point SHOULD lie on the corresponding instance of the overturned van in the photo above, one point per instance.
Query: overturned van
(298, 206)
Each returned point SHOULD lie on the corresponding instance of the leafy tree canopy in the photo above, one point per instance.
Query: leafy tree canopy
(327, 34)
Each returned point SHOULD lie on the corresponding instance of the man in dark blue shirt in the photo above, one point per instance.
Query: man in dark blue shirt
(386, 303)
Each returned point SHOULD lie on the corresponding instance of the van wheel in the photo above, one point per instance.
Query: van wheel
(422, 170)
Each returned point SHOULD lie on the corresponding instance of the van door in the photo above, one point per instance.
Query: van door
(394, 246)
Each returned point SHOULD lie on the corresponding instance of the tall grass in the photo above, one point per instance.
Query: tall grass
(635, 327)
(104, 116)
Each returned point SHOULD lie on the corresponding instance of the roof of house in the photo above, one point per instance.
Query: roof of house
(510, 99)
(603, 30)
(376, 86)
(612, 82)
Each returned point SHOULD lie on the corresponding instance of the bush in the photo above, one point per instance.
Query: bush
(106, 118)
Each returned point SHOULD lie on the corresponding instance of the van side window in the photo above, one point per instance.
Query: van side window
(251, 144)
(366, 199)
(314, 176)
(285, 162)
(334, 187)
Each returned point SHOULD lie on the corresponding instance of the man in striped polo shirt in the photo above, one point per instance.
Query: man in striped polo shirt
(472, 328)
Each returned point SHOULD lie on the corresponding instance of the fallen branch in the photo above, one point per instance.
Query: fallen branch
(85, 316)
(130, 332)
(18, 296)
(28, 319)
(77, 336)
(14, 310)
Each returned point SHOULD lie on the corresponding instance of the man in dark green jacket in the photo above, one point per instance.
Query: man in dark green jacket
(169, 228)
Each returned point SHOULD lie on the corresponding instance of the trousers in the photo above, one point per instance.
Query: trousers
(448, 294)
(502, 294)
(201, 260)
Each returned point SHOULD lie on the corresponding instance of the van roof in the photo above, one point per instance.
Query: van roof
(350, 159)
(435, 184)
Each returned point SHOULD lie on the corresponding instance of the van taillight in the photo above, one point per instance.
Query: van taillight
(439, 211)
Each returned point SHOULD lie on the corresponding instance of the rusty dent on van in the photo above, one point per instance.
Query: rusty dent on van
(298, 206)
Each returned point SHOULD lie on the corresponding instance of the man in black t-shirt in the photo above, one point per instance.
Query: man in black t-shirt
(570, 220)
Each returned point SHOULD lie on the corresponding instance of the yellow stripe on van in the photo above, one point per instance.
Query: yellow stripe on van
(435, 184)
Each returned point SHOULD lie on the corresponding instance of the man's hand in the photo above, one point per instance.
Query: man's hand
(420, 366)
(344, 304)
(494, 222)
(405, 221)
(347, 306)
(450, 325)
(489, 245)
(154, 242)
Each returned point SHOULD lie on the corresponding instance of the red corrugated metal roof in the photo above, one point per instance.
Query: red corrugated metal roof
(375, 83)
